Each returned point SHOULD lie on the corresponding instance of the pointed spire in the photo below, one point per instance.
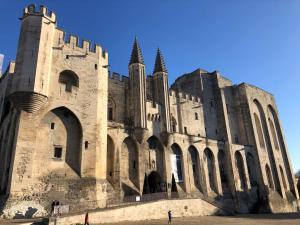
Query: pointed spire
(136, 54)
(159, 63)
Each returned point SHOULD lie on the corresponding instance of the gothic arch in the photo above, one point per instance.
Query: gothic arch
(193, 158)
(239, 162)
(223, 170)
(268, 146)
(209, 160)
(177, 163)
(130, 161)
(280, 139)
(64, 132)
(156, 155)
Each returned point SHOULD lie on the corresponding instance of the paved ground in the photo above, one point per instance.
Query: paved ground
(277, 219)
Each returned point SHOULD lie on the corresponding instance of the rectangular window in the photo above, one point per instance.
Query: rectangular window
(185, 130)
(57, 152)
(134, 164)
(52, 126)
(96, 66)
(196, 116)
(86, 144)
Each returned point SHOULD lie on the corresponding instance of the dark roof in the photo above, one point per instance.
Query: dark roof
(159, 63)
(136, 54)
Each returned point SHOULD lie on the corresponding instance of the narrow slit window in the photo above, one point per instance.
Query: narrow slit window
(86, 144)
(52, 126)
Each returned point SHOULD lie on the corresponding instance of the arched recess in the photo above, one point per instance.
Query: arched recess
(209, 160)
(223, 170)
(259, 131)
(280, 139)
(111, 109)
(69, 78)
(251, 170)
(177, 163)
(130, 163)
(193, 159)
(283, 178)
(268, 145)
(241, 170)
(155, 180)
(61, 132)
(269, 177)
(110, 163)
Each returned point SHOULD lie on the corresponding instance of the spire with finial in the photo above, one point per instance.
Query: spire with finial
(136, 54)
(159, 63)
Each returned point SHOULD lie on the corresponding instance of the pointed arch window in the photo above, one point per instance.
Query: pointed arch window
(111, 109)
(69, 78)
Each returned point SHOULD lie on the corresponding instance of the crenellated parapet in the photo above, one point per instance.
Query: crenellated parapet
(39, 11)
(182, 96)
(75, 43)
(117, 78)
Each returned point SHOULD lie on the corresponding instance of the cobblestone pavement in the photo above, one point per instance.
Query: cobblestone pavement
(275, 219)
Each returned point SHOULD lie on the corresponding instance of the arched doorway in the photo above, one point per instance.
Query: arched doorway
(154, 181)
(241, 170)
(223, 170)
(209, 160)
(193, 159)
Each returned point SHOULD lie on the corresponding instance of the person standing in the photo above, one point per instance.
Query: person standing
(170, 217)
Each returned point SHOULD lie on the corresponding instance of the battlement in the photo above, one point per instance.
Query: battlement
(184, 96)
(32, 10)
(76, 43)
(117, 77)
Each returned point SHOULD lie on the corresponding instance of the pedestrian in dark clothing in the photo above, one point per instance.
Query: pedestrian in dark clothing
(86, 219)
(170, 217)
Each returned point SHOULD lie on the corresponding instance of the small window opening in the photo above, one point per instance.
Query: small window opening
(185, 130)
(110, 173)
(96, 66)
(57, 152)
(86, 144)
(211, 103)
(67, 56)
(196, 116)
(52, 126)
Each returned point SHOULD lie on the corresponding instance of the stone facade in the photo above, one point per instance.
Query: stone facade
(73, 132)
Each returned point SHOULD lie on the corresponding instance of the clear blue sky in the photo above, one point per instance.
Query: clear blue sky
(255, 41)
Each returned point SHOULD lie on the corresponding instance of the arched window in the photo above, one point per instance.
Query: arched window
(69, 78)
(111, 109)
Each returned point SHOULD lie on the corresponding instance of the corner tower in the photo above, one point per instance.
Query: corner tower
(161, 95)
(34, 56)
(137, 87)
